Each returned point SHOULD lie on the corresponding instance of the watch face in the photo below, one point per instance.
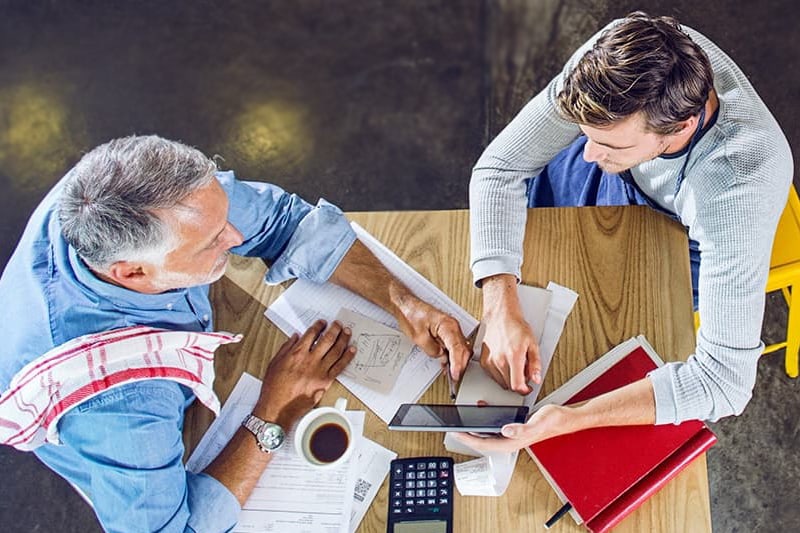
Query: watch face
(271, 437)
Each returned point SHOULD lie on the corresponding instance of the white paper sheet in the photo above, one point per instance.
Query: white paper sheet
(304, 302)
(381, 354)
(373, 465)
(561, 305)
(240, 403)
(291, 496)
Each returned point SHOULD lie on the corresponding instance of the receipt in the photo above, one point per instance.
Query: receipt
(489, 475)
(373, 463)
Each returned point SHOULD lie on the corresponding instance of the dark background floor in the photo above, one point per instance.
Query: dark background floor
(371, 104)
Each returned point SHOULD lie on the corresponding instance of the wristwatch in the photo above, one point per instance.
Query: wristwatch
(269, 436)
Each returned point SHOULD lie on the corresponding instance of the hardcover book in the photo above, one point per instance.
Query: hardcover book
(605, 473)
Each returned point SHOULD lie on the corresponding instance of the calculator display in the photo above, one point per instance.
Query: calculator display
(421, 526)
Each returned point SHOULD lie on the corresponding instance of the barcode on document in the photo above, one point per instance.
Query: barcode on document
(362, 487)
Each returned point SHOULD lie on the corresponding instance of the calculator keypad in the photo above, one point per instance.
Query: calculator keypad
(421, 487)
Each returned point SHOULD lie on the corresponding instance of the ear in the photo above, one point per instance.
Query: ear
(690, 124)
(131, 275)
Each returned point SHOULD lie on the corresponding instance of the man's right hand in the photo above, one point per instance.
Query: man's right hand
(549, 421)
(301, 372)
(510, 353)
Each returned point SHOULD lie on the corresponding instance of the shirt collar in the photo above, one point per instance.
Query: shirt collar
(99, 290)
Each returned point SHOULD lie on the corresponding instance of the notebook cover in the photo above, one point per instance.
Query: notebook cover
(607, 472)
(652, 482)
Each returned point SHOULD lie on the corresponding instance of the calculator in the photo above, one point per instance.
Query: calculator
(421, 495)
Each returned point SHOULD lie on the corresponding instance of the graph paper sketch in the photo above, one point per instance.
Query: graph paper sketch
(382, 351)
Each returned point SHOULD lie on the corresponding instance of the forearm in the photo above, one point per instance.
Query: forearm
(498, 185)
(630, 405)
(363, 273)
(497, 215)
(435, 332)
(500, 296)
(241, 463)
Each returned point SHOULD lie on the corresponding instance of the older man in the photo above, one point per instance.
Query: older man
(132, 236)
(647, 112)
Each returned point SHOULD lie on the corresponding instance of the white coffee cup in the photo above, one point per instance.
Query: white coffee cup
(324, 436)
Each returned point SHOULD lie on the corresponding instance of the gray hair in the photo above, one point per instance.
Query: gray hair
(109, 198)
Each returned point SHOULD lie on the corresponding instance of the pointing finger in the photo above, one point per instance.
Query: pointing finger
(517, 376)
(534, 364)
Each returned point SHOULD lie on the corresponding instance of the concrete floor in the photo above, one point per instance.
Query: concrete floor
(370, 104)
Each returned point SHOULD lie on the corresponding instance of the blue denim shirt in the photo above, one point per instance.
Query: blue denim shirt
(124, 448)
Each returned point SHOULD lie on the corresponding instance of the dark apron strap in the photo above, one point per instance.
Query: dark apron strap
(697, 132)
(627, 176)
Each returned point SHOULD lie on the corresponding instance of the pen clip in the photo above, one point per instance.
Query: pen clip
(473, 335)
(450, 383)
(472, 339)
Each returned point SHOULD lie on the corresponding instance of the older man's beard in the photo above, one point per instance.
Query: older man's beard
(218, 270)
(180, 280)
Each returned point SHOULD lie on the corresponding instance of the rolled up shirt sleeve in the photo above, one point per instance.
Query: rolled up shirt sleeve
(316, 247)
(211, 505)
(298, 239)
(128, 444)
(710, 385)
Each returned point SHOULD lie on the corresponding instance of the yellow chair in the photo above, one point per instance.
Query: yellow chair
(784, 275)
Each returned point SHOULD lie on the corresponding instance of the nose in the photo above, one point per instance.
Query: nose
(233, 237)
(593, 152)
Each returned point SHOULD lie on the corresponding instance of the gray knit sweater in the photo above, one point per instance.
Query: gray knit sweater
(736, 185)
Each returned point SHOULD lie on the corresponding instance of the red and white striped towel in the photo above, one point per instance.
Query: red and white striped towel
(52, 384)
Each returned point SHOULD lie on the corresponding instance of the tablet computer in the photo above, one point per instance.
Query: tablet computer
(463, 418)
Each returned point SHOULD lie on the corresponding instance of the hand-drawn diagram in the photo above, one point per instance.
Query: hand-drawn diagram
(382, 351)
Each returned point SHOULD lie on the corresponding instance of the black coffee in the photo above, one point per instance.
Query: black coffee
(328, 442)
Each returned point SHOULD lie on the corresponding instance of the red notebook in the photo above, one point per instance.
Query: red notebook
(606, 473)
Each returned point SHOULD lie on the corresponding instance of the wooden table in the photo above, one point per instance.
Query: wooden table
(630, 267)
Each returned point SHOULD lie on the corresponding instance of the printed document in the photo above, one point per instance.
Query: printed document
(373, 465)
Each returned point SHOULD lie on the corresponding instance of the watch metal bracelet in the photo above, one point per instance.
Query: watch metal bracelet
(254, 424)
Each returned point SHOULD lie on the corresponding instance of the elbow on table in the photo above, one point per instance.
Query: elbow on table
(730, 402)
(736, 404)
(726, 377)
